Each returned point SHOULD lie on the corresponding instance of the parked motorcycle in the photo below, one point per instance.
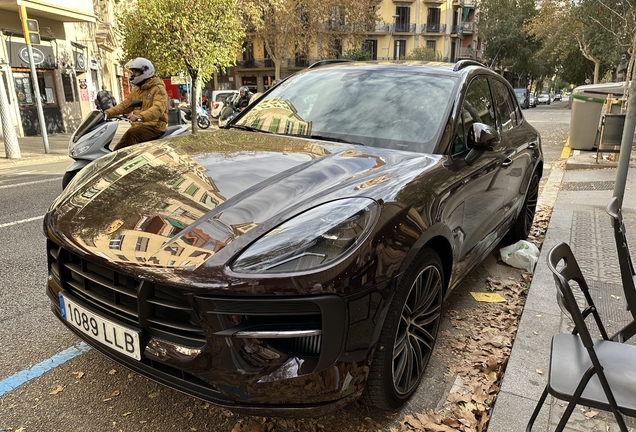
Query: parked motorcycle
(229, 110)
(203, 121)
(94, 135)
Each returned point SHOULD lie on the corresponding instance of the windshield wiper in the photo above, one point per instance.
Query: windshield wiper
(334, 139)
(248, 128)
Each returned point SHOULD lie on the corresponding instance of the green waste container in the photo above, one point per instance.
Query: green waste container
(587, 106)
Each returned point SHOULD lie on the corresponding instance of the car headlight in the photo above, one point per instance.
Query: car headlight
(312, 239)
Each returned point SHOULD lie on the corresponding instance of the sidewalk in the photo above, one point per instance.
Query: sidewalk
(32, 150)
(579, 194)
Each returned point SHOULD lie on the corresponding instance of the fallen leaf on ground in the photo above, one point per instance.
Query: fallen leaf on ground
(78, 375)
(539, 371)
(488, 297)
(57, 390)
(591, 414)
(112, 372)
(115, 393)
(126, 414)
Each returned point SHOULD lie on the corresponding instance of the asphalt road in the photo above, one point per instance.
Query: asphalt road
(40, 392)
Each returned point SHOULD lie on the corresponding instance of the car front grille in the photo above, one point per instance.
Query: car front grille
(160, 311)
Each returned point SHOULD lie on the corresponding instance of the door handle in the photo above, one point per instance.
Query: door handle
(533, 143)
(506, 162)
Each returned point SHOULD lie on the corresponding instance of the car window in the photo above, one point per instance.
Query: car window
(504, 105)
(477, 107)
(400, 108)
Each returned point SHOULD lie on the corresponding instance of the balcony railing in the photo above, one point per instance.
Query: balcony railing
(470, 3)
(434, 28)
(470, 53)
(468, 27)
(457, 30)
(403, 28)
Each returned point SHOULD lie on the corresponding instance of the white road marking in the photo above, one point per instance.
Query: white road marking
(26, 183)
(20, 221)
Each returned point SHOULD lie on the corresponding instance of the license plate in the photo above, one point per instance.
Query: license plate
(115, 336)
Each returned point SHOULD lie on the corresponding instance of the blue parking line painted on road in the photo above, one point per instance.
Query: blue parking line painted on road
(16, 380)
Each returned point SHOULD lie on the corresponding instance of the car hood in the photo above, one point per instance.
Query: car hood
(177, 204)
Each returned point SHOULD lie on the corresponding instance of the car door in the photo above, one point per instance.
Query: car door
(484, 182)
(519, 144)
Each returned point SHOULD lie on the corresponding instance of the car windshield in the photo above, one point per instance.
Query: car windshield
(402, 108)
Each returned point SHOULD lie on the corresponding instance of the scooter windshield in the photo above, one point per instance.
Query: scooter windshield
(89, 123)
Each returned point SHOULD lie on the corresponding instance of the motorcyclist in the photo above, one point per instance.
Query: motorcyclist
(244, 98)
(151, 119)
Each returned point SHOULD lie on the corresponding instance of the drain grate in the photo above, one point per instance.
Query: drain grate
(588, 186)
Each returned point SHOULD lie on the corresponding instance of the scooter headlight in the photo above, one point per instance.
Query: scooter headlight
(83, 145)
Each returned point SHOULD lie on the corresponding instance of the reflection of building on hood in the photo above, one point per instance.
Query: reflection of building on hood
(279, 117)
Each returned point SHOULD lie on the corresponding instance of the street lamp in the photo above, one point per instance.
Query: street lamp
(391, 30)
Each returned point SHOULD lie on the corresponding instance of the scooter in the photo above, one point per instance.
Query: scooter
(94, 135)
(229, 110)
(203, 121)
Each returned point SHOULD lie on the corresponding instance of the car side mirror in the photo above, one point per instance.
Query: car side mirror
(481, 137)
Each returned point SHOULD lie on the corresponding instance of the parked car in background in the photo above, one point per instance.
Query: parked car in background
(557, 97)
(533, 100)
(544, 98)
(301, 256)
(218, 100)
(523, 97)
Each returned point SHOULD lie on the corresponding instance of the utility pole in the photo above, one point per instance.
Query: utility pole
(32, 35)
(11, 145)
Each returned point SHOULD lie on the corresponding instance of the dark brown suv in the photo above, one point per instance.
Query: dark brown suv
(301, 256)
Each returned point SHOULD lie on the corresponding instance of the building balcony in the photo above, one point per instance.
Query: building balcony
(382, 28)
(468, 27)
(457, 30)
(470, 53)
(255, 63)
(403, 28)
(470, 3)
(434, 28)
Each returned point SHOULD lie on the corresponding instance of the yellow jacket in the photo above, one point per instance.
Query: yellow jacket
(154, 108)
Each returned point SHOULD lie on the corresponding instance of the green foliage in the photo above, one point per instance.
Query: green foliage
(359, 54)
(197, 36)
(425, 54)
(506, 42)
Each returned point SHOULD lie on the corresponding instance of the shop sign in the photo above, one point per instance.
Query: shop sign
(93, 63)
(38, 56)
(18, 53)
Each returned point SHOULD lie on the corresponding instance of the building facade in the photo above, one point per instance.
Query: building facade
(445, 26)
(77, 55)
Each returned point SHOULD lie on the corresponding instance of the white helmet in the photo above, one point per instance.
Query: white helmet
(146, 68)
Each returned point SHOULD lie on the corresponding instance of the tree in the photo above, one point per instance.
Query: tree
(593, 28)
(197, 36)
(289, 27)
(500, 26)
(424, 53)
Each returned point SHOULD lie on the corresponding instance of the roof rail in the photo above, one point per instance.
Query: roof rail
(465, 63)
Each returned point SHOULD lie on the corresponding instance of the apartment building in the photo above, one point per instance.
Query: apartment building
(77, 55)
(445, 26)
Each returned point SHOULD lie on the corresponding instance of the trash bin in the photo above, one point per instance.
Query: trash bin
(174, 117)
(587, 106)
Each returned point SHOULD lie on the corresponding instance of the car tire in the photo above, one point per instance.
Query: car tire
(407, 339)
(520, 229)
(68, 176)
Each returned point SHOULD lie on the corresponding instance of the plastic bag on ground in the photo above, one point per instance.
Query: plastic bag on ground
(523, 255)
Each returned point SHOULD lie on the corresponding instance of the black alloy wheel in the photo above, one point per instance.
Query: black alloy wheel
(409, 334)
(520, 230)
